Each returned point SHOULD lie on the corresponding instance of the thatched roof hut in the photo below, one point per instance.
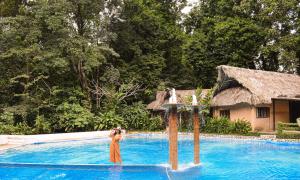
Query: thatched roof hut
(253, 87)
(162, 97)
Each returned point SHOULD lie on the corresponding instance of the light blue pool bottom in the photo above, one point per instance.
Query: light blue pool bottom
(39, 171)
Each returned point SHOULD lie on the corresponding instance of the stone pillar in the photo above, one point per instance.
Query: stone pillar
(173, 138)
(196, 135)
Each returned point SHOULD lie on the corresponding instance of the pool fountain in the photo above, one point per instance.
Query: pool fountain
(195, 109)
(172, 107)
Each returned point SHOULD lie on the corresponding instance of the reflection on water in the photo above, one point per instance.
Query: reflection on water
(115, 172)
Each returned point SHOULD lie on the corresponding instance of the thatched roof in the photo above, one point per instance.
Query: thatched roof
(254, 87)
(162, 97)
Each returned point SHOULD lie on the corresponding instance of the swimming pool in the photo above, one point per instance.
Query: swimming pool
(146, 157)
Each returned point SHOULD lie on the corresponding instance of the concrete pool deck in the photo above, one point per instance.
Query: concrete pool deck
(7, 146)
(11, 141)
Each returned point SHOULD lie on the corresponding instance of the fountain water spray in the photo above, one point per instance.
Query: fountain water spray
(194, 101)
(173, 99)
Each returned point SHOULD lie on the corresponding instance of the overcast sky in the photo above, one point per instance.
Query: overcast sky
(189, 7)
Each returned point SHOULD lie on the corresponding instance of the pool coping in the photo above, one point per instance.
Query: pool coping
(4, 147)
(12, 140)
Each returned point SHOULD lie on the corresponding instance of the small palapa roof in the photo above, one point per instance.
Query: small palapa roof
(254, 87)
(162, 97)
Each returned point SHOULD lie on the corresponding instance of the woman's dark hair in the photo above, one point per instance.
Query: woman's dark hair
(117, 131)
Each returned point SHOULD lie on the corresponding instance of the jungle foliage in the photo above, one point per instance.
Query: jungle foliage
(79, 65)
(223, 125)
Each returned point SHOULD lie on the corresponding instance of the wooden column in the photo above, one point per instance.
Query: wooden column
(273, 105)
(173, 138)
(196, 135)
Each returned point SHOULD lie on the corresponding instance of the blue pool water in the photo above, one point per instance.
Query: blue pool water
(147, 158)
(81, 172)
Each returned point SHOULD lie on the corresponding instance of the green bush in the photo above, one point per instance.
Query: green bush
(136, 116)
(73, 117)
(7, 129)
(241, 127)
(222, 125)
(20, 128)
(23, 128)
(287, 126)
(284, 128)
(280, 128)
(8, 125)
(288, 136)
(108, 120)
(155, 124)
(41, 125)
(6, 118)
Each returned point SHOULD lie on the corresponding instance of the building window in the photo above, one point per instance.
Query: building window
(225, 113)
(262, 112)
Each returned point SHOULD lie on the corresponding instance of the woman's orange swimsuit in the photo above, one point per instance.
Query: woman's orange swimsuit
(115, 155)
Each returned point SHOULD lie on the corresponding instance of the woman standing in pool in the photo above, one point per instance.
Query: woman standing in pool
(115, 155)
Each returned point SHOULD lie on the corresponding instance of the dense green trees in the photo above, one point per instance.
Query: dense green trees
(149, 42)
(75, 65)
(247, 33)
(53, 56)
